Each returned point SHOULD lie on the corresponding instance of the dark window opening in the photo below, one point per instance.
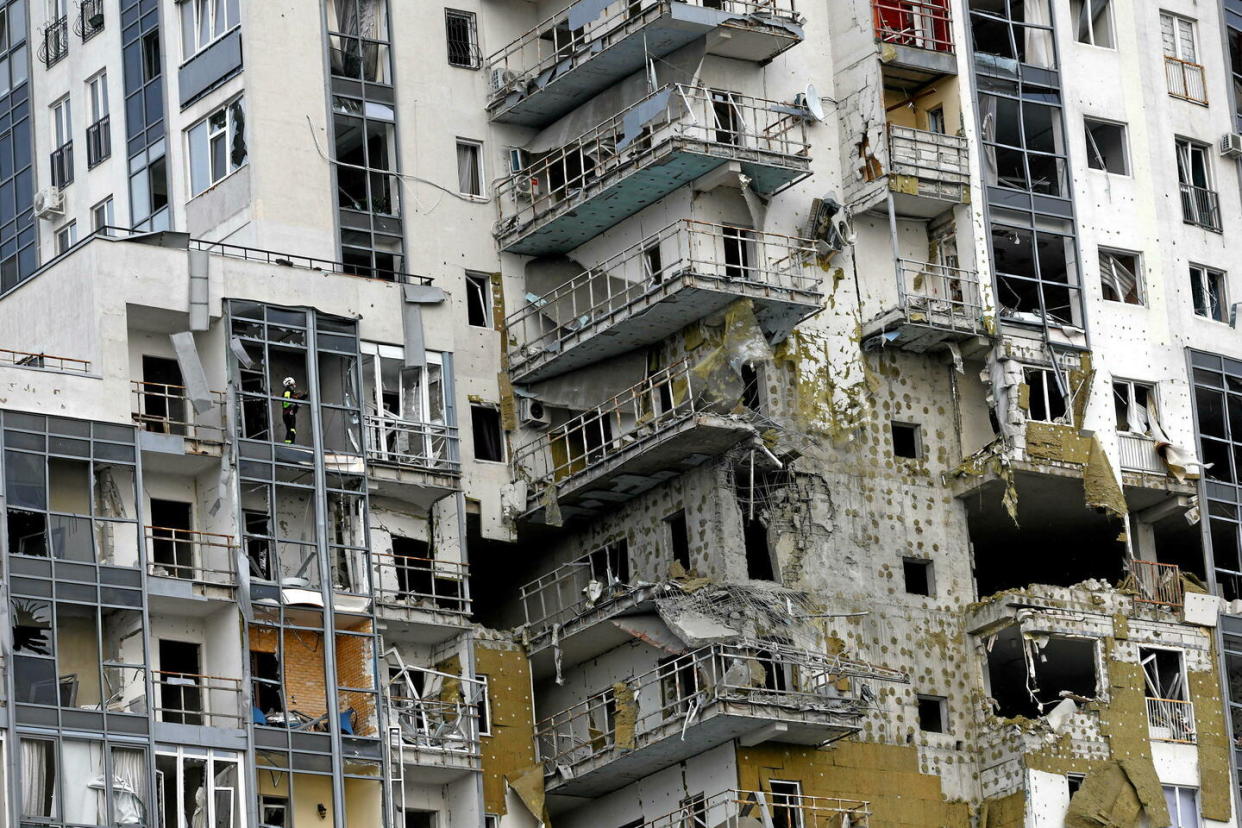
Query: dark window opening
(478, 300)
(931, 714)
(907, 441)
(758, 554)
(268, 696)
(273, 811)
(1106, 146)
(488, 435)
(1207, 290)
(679, 538)
(172, 546)
(610, 564)
(918, 576)
(151, 63)
(179, 677)
(411, 559)
(1162, 674)
(787, 805)
(752, 388)
(1045, 402)
(1050, 665)
(461, 32)
(1073, 781)
(739, 245)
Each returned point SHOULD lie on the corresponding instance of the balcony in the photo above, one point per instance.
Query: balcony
(916, 41)
(421, 599)
(90, 20)
(412, 461)
(673, 136)
(687, 271)
(166, 409)
(1185, 80)
(198, 700)
(935, 304)
(1201, 207)
(573, 55)
(435, 729)
(1137, 453)
(1157, 584)
(46, 362)
(98, 141)
(55, 44)
(694, 702)
(928, 172)
(645, 435)
(743, 809)
(62, 165)
(1171, 720)
(202, 560)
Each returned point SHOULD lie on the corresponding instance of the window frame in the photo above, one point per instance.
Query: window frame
(500, 431)
(1153, 400)
(225, 133)
(941, 703)
(195, 8)
(66, 237)
(484, 705)
(1108, 10)
(479, 284)
(1049, 385)
(1196, 817)
(1140, 289)
(1204, 272)
(916, 431)
(62, 121)
(473, 45)
(1175, 19)
(480, 172)
(97, 97)
(109, 207)
(1087, 122)
(780, 800)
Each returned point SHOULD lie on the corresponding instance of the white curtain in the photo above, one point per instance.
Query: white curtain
(468, 179)
(82, 769)
(987, 126)
(36, 786)
(129, 787)
(1039, 50)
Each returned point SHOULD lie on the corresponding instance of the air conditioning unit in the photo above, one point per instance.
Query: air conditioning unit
(532, 413)
(49, 203)
(1231, 145)
(525, 186)
(502, 79)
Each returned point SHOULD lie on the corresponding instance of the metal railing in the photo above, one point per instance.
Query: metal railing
(165, 409)
(550, 43)
(1157, 583)
(204, 557)
(566, 592)
(90, 20)
(397, 442)
(718, 123)
(1172, 720)
(196, 699)
(62, 165)
(740, 809)
(616, 427)
(55, 41)
(687, 246)
(673, 695)
(1137, 453)
(27, 359)
(99, 141)
(1201, 207)
(939, 296)
(420, 583)
(1186, 80)
(256, 254)
(443, 720)
(939, 161)
(922, 24)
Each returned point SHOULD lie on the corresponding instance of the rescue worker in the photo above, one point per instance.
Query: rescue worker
(289, 411)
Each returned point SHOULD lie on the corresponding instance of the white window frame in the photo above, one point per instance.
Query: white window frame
(1139, 287)
(479, 283)
(1049, 387)
(109, 214)
(479, 167)
(1153, 401)
(211, 134)
(485, 704)
(1179, 820)
(62, 121)
(794, 808)
(1173, 24)
(172, 787)
(1200, 273)
(97, 97)
(192, 13)
(66, 237)
(1093, 149)
(1083, 8)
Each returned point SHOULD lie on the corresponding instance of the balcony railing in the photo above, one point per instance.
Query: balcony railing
(552, 48)
(420, 583)
(165, 409)
(940, 162)
(921, 25)
(195, 699)
(615, 428)
(1137, 453)
(1159, 584)
(565, 593)
(1201, 207)
(1185, 80)
(90, 20)
(1171, 720)
(428, 446)
(202, 557)
(438, 723)
(939, 296)
(742, 809)
(723, 125)
(55, 41)
(99, 141)
(27, 359)
(62, 165)
(592, 301)
(681, 692)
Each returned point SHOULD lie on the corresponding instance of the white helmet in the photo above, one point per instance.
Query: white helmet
(289, 382)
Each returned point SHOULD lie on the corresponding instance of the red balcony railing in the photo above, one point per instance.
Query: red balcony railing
(921, 24)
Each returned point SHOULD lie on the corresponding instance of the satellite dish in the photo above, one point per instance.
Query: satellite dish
(813, 104)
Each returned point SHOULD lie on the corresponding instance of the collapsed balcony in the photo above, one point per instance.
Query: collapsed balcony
(580, 51)
(411, 460)
(916, 38)
(935, 304)
(927, 171)
(656, 287)
(739, 808)
(671, 421)
(433, 721)
(696, 701)
(579, 189)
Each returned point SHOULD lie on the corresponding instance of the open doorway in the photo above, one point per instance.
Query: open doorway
(181, 695)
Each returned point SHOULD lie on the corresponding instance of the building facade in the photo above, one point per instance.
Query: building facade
(638, 413)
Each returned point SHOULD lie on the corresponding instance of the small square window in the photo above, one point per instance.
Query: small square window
(931, 714)
(1120, 277)
(1093, 21)
(1045, 402)
(470, 168)
(479, 300)
(1106, 146)
(1207, 291)
(918, 576)
(907, 441)
(489, 440)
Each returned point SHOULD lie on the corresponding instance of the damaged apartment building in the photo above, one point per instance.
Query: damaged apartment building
(620, 413)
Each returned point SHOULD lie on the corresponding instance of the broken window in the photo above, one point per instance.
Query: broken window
(39, 777)
(489, 443)
(679, 538)
(787, 803)
(216, 146)
(1163, 673)
(1093, 21)
(907, 440)
(1106, 146)
(483, 708)
(1045, 401)
(739, 253)
(1183, 804)
(1233, 685)
(358, 39)
(693, 810)
(366, 152)
(1200, 202)
(479, 300)
(918, 575)
(461, 33)
(610, 564)
(1135, 404)
(759, 565)
(1024, 143)
(679, 685)
(1037, 274)
(931, 713)
(469, 167)
(1208, 293)
(1030, 673)
(1119, 276)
